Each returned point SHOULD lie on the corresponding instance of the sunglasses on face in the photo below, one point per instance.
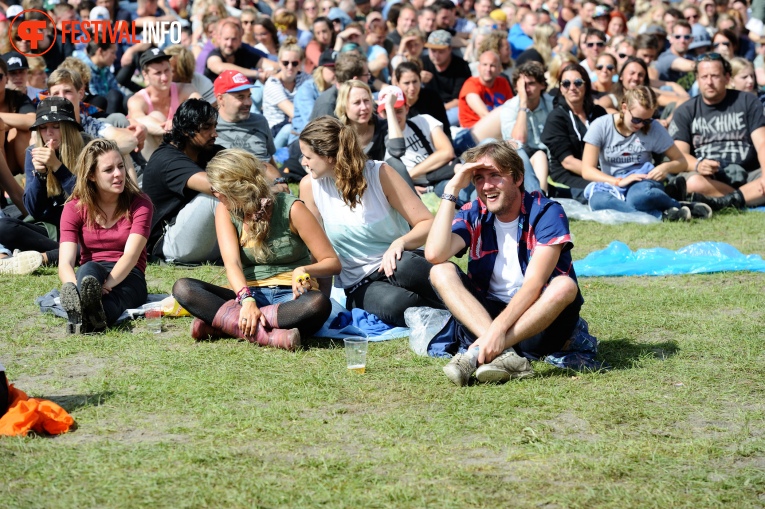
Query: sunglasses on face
(692, 16)
(637, 121)
(686, 37)
(607, 66)
(622, 56)
(598, 44)
(721, 43)
(567, 83)
(293, 63)
(248, 21)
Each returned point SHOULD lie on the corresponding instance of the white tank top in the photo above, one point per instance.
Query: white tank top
(362, 235)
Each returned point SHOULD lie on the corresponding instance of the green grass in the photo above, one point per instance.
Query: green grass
(167, 422)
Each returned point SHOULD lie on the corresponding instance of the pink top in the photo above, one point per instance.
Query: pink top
(106, 244)
(173, 100)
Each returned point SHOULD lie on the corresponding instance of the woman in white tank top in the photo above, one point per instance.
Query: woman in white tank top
(373, 219)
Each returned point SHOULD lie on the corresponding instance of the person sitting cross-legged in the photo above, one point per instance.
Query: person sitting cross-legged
(520, 299)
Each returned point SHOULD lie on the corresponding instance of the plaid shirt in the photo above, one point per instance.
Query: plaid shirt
(541, 222)
(101, 79)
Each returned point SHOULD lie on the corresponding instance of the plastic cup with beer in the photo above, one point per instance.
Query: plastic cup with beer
(356, 353)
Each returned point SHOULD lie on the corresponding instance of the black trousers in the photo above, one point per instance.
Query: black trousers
(130, 293)
(389, 297)
(16, 234)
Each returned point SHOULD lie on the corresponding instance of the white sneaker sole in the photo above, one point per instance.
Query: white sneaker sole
(21, 264)
(491, 374)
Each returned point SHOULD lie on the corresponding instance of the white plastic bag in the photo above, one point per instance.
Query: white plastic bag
(424, 323)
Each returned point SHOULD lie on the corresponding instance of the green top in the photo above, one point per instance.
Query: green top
(288, 251)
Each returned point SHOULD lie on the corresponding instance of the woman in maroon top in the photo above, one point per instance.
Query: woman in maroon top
(110, 219)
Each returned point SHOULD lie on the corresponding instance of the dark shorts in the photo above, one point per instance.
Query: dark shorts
(546, 342)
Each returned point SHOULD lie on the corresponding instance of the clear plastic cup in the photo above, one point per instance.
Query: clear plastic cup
(154, 320)
(356, 354)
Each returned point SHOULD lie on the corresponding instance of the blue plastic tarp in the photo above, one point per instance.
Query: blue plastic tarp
(703, 257)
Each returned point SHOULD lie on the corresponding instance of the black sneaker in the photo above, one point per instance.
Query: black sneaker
(70, 301)
(677, 189)
(698, 210)
(677, 214)
(92, 308)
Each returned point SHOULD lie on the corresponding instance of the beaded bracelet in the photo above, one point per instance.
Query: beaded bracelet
(243, 294)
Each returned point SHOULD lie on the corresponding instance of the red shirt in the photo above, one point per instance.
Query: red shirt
(106, 244)
(492, 97)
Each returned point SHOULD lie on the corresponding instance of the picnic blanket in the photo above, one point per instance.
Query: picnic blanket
(702, 257)
(51, 303)
(27, 414)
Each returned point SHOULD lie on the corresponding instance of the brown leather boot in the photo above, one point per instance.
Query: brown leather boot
(227, 320)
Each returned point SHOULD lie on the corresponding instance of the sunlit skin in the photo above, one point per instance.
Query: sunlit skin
(50, 134)
(635, 111)
(647, 55)
(159, 75)
(632, 76)
(325, 7)
(744, 81)
(593, 47)
(722, 45)
(410, 84)
(489, 68)
(230, 41)
(109, 175)
(262, 35)
(605, 75)
(680, 40)
(615, 26)
(322, 33)
(318, 166)
(712, 81)
(235, 107)
(498, 192)
(289, 72)
(441, 57)
(407, 20)
(426, 21)
(359, 108)
(67, 91)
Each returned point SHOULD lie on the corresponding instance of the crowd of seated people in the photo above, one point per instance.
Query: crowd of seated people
(113, 155)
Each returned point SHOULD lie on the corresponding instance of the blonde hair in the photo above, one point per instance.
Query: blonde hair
(86, 190)
(285, 20)
(556, 65)
(36, 63)
(240, 177)
(541, 38)
(68, 73)
(330, 139)
(290, 44)
(639, 96)
(71, 146)
(318, 79)
(493, 42)
(344, 93)
(183, 63)
(738, 64)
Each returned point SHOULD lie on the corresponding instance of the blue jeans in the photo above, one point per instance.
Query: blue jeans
(281, 138)
(644, 196)
(453, 114)
(267, 295)
(530, 180)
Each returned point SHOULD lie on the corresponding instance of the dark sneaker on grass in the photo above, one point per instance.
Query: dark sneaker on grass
(677, 189)
(460, 368)
(70, 301)
(507, 366)
(92, 308)
(677, 214)
(698, 210)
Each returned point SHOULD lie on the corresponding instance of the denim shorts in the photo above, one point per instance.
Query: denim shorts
(267, 295)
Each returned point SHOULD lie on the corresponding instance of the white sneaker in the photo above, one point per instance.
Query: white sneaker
(460, 368)
(21, 263)
(505, 367)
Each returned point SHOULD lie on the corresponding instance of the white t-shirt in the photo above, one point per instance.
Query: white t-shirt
(507, 278)
(415, 151)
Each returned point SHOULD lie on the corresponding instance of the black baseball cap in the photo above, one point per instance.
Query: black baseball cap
(15, 61)
(152, 55)
(327, 58)
(54, 109)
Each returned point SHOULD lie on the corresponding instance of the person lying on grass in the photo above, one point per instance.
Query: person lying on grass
(520, 299)
(110, 218)
(267, 241)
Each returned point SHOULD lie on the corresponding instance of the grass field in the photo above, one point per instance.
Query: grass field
(167, 422)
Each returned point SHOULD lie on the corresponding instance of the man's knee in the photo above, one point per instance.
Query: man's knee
(443, 275)
(563, 290)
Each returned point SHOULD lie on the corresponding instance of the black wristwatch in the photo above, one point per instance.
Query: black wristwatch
(449, 197)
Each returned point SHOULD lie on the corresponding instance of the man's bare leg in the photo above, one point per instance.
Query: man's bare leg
(458, 299)
(708, 187)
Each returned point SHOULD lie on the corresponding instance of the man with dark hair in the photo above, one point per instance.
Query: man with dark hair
(673, 64)
(520, 295)
(426, 20)
(592, 46)
(183, 225)
(721, 132)
(99, 57)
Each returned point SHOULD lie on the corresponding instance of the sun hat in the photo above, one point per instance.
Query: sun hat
(54, 109)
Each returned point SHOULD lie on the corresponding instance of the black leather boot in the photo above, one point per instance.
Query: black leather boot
(734, 199)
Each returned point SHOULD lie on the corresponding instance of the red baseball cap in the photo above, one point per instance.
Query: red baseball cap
(386, 92)
(231, 81)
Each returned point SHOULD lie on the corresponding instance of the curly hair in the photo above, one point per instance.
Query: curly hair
(240, 177)
(85, 188)
(329, 138)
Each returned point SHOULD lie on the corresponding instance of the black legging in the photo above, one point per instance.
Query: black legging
(389, 297)
(16, 234)
(203, 300)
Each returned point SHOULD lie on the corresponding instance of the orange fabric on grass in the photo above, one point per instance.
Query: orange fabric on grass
(39, 415)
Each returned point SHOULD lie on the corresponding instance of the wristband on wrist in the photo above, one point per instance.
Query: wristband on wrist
(243, 294)
(43, 177)
(449, 197)
(698, 162)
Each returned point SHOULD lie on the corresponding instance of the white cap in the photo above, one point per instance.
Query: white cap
(99, 13)
(13, 11)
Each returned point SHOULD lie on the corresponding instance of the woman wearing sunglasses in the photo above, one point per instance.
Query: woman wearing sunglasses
(279, 92)
(725, 42)
(624, 145)
(565, 129)
(605, 69)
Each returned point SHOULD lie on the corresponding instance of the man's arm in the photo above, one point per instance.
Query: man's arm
(18, 120)
(124, 138)
(137, 111)
(198, 182)
(476, 104)
(681, 64)
(758, 140)
(442, 243)
(217, 66)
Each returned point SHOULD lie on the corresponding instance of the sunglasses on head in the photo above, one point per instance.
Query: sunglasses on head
(567, 83)
(709, 56)
(686, 36)
(293, 63)
(598, 44)
(607, 66)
